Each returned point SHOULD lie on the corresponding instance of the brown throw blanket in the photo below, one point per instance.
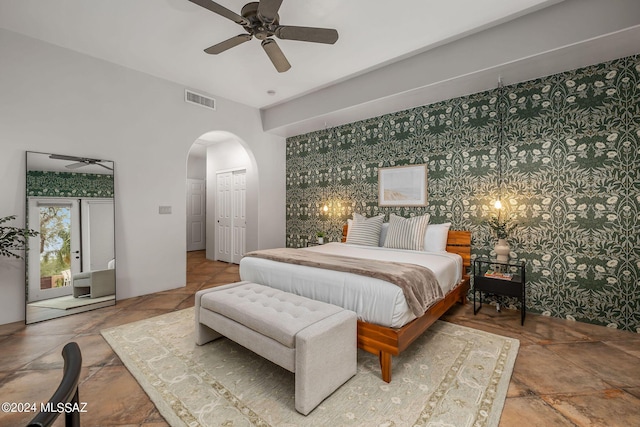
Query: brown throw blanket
(419, 285)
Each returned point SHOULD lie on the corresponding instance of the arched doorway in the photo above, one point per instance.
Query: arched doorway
(222, 165)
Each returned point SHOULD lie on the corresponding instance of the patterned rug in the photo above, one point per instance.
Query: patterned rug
(451, 375)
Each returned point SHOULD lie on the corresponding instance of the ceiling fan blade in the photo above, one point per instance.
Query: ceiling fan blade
(275, 55)
(268, 10)
(221, 10)
(307, 34)
(76, 165)
(228, 44)
(79, 161)
(63, 157)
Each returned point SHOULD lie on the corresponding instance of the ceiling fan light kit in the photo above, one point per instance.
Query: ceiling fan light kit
(261, 20)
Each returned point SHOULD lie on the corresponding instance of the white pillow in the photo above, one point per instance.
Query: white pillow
(383, 233)
(365, 231)
(406, 233)
(435, 238)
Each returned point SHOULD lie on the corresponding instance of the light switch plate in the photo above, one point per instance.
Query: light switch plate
(164, 210)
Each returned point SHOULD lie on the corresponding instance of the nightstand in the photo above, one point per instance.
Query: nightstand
(500, 278)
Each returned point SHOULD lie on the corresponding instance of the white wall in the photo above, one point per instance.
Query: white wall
(197, 162)
(58, 101)
(98, 233)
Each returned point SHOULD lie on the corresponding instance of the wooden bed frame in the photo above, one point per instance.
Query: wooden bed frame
(386, 342)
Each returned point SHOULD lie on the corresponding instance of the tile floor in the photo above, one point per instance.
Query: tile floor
(566, 373)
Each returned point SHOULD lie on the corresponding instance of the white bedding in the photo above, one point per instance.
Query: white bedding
(374, 300)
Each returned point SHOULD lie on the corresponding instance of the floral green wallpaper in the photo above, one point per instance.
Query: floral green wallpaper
(69, 184)
(570, 176)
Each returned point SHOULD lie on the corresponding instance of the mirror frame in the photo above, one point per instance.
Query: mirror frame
(97, 191)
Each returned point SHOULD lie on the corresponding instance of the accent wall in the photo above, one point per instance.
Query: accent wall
(69, 184)
(569, 176)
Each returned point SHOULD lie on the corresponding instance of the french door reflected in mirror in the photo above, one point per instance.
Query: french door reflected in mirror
(54, 255)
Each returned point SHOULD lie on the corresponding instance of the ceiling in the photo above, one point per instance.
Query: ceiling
(166, 38)
(389, 56)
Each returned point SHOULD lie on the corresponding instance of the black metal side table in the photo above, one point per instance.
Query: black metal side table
(501, 278)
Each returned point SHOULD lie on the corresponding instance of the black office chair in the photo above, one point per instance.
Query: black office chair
(66, 393)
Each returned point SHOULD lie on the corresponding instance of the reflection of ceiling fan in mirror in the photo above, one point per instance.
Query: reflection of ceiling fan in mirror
(79, 161)
(261, 20)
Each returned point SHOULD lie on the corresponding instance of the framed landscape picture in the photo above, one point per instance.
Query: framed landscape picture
(402, 186)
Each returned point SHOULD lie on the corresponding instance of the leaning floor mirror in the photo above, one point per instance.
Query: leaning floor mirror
(70, 264)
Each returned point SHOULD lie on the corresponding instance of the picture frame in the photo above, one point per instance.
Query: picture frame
(402, 186)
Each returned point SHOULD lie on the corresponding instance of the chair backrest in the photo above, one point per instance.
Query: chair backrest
(67, 392)
(66, 276)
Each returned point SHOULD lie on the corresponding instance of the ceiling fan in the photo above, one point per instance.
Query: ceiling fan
(79, 161)
(261, 20)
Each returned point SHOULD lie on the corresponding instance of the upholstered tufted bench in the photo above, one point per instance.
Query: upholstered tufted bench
(313, 339)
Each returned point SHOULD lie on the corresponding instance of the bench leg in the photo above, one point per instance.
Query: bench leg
(205, 334)
(326, 357)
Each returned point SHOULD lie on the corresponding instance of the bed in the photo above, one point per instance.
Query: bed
(386, 325)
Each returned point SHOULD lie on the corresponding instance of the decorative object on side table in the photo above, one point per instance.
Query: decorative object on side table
(13, 238)
(502, 250)
(502, 228)
(320, 235)
(501, 278)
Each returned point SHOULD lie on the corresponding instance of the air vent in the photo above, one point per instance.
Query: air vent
(198, 99)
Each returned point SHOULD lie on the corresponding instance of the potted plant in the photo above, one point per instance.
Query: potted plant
(13, 238)
(320, 235)
(502, 228)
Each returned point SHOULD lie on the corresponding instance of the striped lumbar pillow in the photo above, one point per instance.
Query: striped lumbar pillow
(365, 231)
(406, 233)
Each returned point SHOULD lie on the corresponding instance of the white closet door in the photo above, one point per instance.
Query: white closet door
(239, 213)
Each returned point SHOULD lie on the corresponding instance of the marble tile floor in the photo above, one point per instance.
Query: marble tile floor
(566, 374)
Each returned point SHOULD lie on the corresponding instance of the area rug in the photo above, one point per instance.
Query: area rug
(450, 376)
(69, 302)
